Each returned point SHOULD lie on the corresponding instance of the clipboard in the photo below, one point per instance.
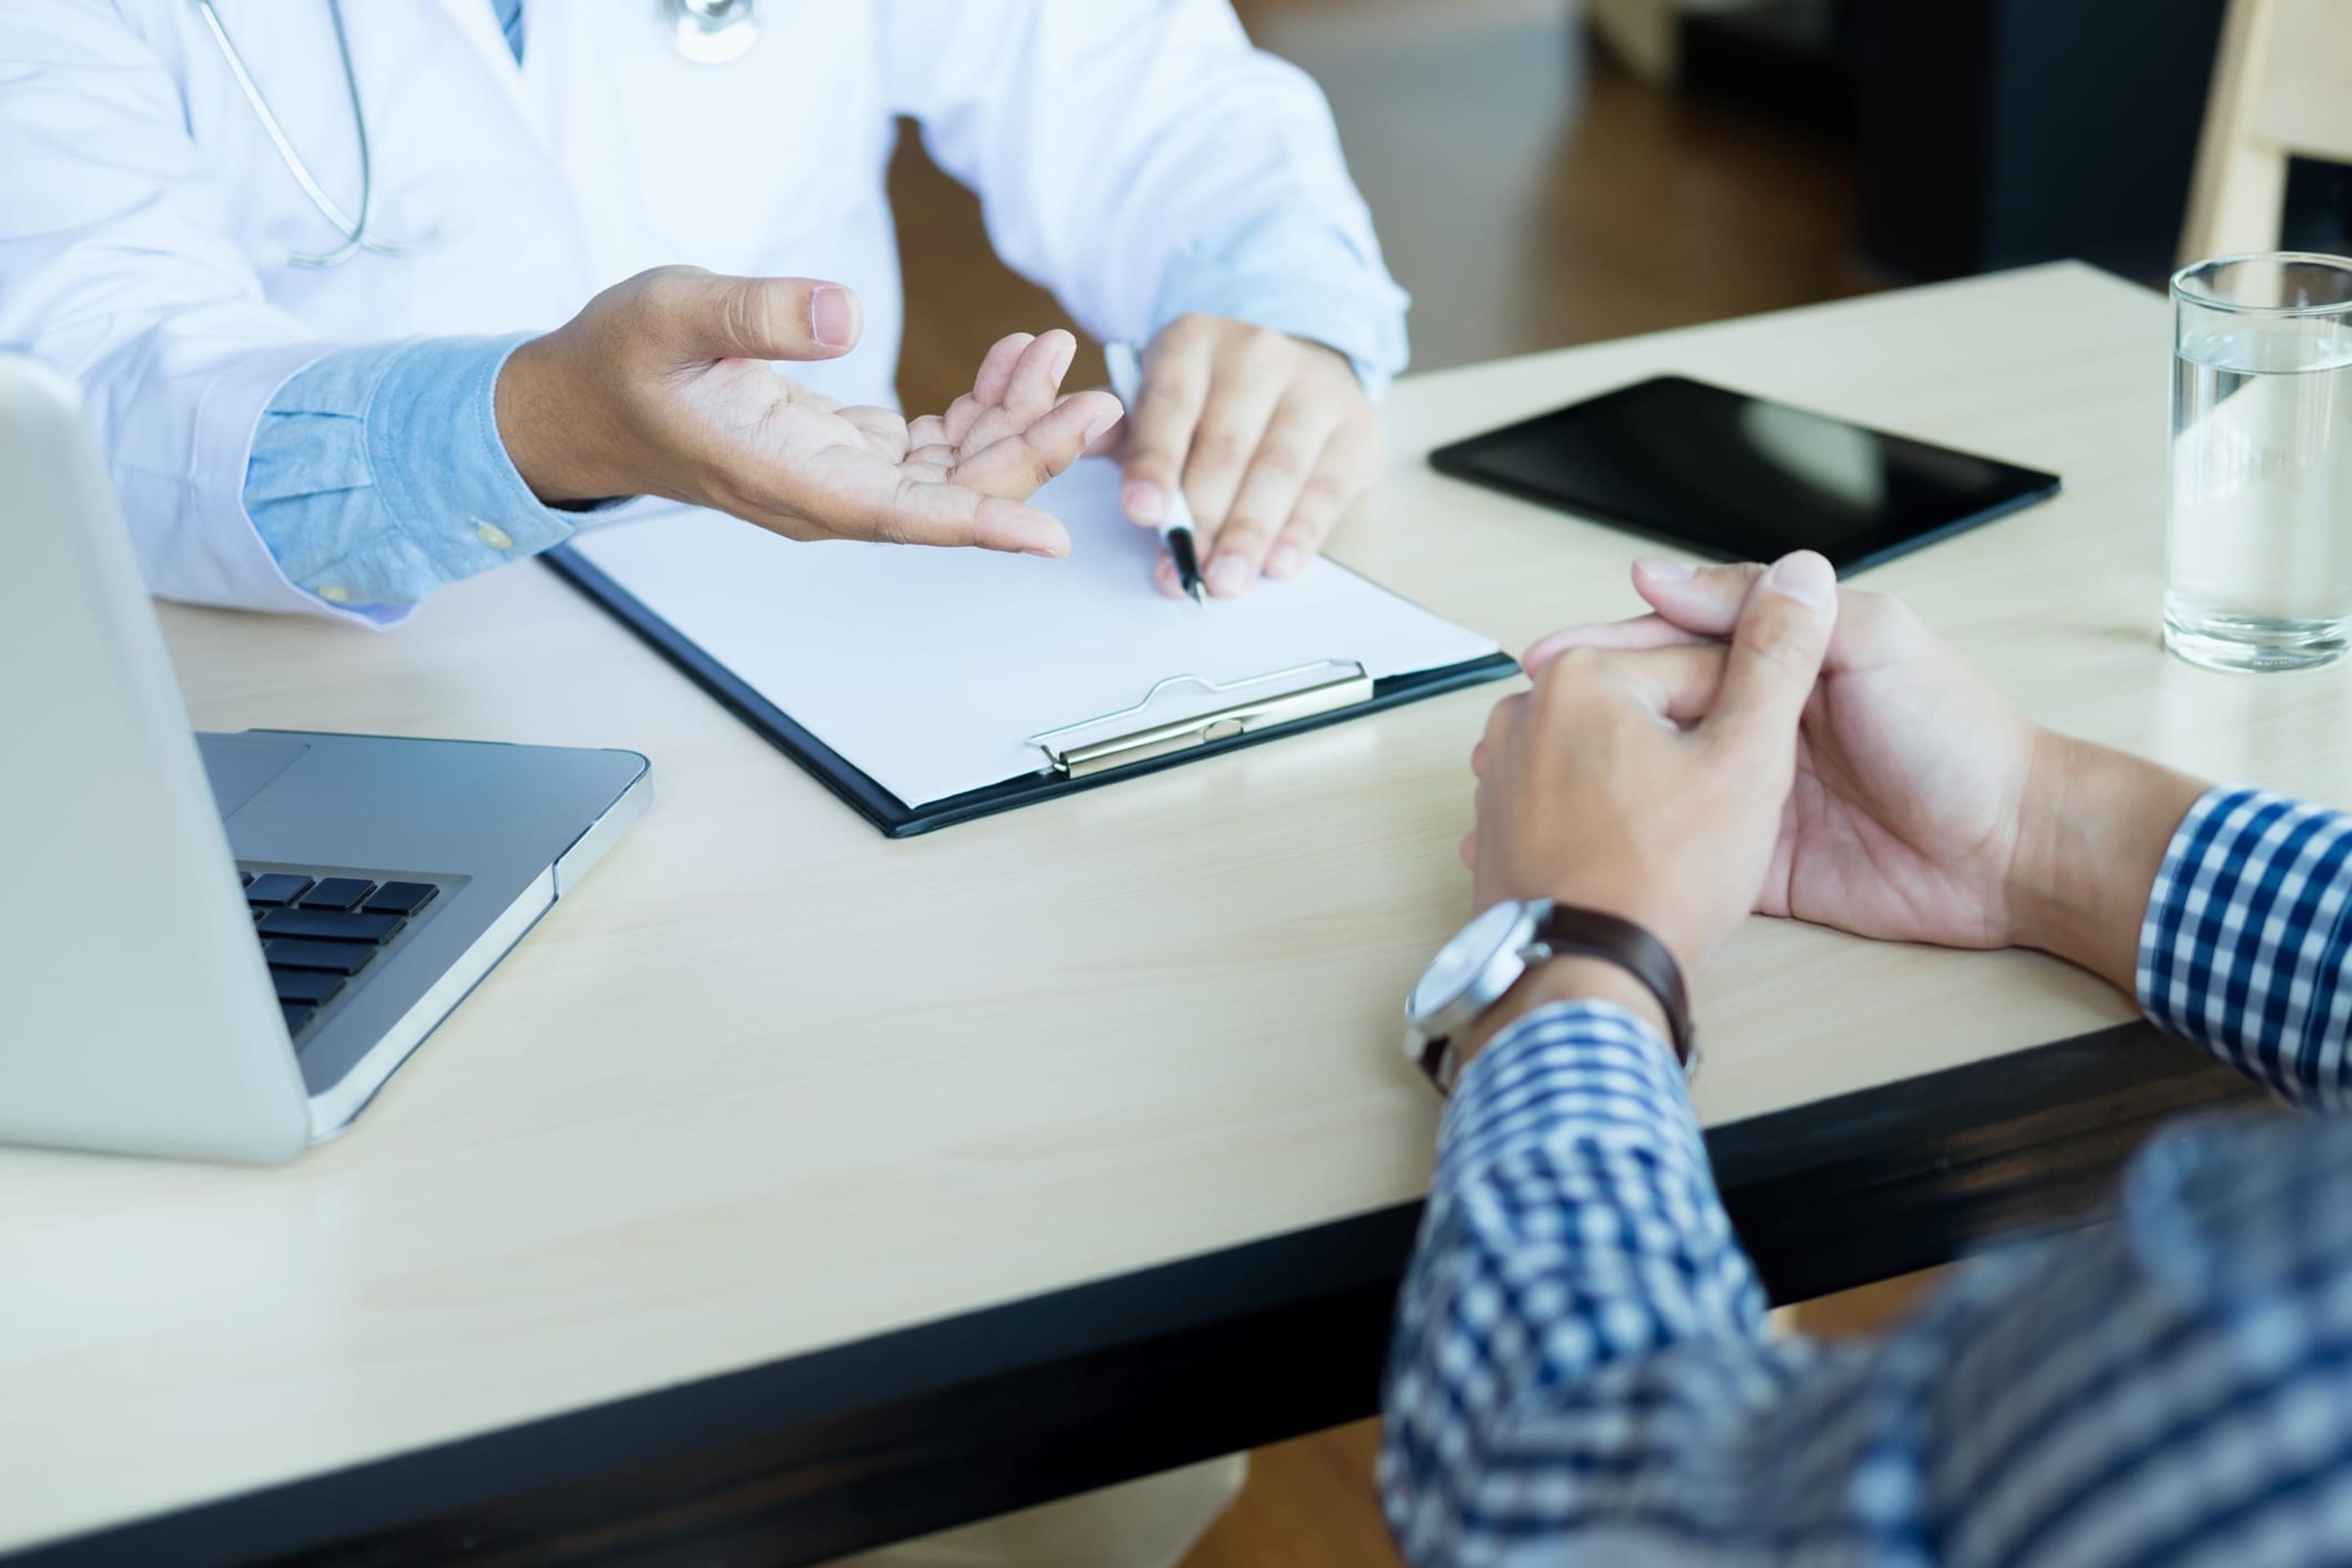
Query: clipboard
(1086, 754)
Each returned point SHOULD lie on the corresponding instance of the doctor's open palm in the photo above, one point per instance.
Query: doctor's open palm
(662, 387)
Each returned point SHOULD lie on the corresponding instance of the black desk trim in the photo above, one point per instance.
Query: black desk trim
(795, 1460)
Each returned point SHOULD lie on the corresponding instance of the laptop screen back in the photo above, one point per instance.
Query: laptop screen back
(142, 1016)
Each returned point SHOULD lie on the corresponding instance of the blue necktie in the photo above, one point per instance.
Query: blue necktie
(510, 23)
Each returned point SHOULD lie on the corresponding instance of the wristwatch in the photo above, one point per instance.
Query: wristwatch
(1487, 958)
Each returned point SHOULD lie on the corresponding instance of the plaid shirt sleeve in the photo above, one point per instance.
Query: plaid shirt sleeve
(2244, 944)
(1582, 1370)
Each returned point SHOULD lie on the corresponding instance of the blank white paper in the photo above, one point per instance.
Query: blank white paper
(930, 669)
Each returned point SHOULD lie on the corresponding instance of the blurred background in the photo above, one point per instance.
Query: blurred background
(1545, 173)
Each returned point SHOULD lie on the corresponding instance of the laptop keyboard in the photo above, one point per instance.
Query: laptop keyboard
(320, 931)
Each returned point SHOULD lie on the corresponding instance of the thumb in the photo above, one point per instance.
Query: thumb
(766, 318)
(1776, 650)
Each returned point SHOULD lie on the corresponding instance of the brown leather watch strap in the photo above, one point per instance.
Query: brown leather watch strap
(1590, 933)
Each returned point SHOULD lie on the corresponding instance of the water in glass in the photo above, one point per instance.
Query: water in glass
(2258, 544)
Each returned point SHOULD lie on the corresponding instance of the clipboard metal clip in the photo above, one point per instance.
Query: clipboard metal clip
(1258, 702)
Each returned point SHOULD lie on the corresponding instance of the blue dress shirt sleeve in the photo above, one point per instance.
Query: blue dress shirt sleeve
(377, 476)
(1295, 270)
(1582, 1370)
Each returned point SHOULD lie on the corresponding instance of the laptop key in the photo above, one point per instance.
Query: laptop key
(306, 986)
(337, 893)
(276, 887)
(329, 925)
(296, 1015)
(334, 957)
(400, 897)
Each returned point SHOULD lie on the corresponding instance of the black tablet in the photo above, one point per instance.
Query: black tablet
(1719, 473)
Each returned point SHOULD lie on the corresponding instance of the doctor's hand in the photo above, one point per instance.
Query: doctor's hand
(1926, 807)
(1271, 438)
(662, 387)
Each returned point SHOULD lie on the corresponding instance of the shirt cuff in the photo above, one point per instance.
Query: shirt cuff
(1591, 1065)
(2248, 936)
(1300, 274)
(378, 476)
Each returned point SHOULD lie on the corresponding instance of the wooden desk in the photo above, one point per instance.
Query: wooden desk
(792, 1186)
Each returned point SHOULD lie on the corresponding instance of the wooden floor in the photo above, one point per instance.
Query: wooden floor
(1529, 195)
(1309, 1504)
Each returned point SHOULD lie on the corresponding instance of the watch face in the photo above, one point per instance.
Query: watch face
(1461, 960)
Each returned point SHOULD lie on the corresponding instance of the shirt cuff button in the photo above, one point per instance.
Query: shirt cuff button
(491, 534)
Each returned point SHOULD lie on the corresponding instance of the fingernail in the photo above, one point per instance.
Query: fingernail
(1287, 561)
(1659, 570)
(833, 318)
(1805, 577)
(1043, 538)
(1100, 424)
(1230, 576)
(1144, 501)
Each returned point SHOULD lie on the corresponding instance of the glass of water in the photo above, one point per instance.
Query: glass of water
(2258, 537)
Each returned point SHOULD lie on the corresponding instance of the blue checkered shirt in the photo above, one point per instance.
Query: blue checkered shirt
(1582, 1373)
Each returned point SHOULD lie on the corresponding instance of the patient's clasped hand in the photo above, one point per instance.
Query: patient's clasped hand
(1913, 802)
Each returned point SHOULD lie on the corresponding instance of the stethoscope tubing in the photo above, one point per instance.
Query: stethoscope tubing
(355, 235)
(703, 18)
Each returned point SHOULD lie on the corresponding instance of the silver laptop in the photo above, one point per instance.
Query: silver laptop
(220, 946)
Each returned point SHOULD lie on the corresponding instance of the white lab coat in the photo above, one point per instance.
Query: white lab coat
(145, 219)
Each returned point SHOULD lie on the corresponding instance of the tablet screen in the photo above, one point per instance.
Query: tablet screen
(1739, 478)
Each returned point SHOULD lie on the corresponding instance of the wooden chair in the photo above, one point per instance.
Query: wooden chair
(2282, 88)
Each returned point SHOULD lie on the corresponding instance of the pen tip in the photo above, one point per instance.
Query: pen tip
(1188, 564)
